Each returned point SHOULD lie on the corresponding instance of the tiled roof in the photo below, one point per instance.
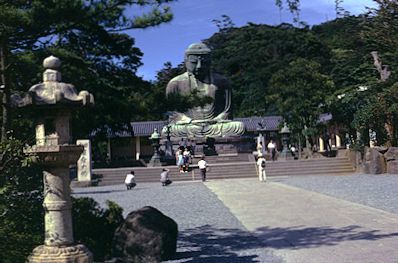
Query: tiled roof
(252, 124)
(325, 117)
(267, 123)
(146, 128)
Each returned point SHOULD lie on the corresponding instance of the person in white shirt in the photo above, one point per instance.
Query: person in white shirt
(130, 181)
(261, 168)
(203, 167)
(164, 177)
(272, 149)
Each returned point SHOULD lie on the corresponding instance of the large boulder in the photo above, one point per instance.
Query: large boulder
(374, 161)
(146, 235)
(391, 157)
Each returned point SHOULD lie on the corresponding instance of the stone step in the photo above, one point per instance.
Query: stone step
(310, 167)
(195, 175)
(111, 176)
(222, 170)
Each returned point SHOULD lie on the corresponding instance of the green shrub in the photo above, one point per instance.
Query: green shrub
(22, 214)
(21, 197)
(94, 226)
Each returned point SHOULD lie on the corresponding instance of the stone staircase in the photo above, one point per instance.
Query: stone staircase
(149, 174)
(321, 166)
(229, 167)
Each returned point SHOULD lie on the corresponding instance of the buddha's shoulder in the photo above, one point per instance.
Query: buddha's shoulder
(180, 78)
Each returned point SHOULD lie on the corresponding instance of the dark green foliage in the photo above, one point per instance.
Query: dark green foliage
(249, 55)
(353, 68)
(97, 56)
(351, 62)
(22, 214)
(379, 112)
(156, 105)
(21, 196)
(299, 92)
(95, 226)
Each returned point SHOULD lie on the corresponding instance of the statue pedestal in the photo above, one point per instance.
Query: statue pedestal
(226, 145)
(58, 244)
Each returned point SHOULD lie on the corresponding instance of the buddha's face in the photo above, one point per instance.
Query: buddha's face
(197, 64)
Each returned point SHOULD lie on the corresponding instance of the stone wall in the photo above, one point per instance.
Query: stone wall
(377, 160)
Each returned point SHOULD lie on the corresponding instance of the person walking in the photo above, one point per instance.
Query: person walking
(203, 168)
(260, 148)
(261, 168)
(130, 180)
(164, 177)
(272, 149)
(187, 159)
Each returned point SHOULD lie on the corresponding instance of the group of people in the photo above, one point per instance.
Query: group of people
(183, 159)
(188, 144)
(130, 183)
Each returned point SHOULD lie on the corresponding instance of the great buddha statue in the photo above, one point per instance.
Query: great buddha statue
(211, 120)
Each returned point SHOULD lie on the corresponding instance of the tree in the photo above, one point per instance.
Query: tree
(83, 33)
(380, 37)
(249, 55)
(299, 92)
(225, 24)
(293, 7)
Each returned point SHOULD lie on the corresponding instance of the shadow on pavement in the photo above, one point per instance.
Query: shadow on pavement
(98, 192)
(306, 237)
(221, 245)
(208, 244)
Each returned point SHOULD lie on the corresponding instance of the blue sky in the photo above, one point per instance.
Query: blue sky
(193, 22)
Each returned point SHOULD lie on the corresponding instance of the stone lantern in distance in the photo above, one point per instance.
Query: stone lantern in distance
(54, 101)
(155, 139)
(286, 153)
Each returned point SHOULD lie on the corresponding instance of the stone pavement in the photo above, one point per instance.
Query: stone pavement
(301, 226)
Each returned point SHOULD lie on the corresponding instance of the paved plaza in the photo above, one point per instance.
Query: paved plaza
(288, 219)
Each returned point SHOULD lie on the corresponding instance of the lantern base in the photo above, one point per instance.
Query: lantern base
(65, 254)
(285, 155)
(155, 161)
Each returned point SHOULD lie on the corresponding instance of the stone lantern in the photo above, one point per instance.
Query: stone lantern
(286, 154)
(54, 102)
(168, 145)
(155, 139)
